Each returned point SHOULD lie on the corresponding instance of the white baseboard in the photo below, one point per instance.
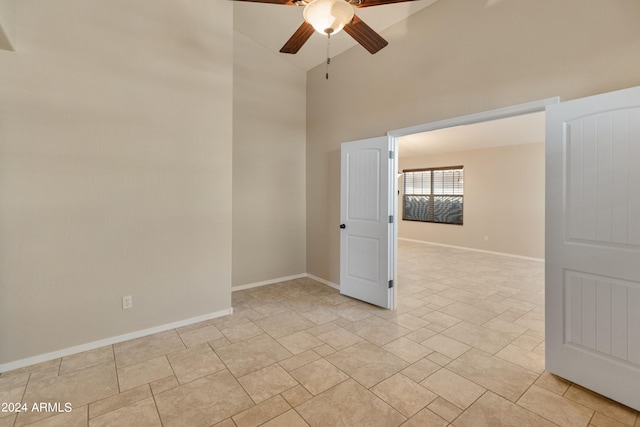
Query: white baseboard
(267, 282)
(284, 279)
(324, 282)
(424, 242)
(109, 341)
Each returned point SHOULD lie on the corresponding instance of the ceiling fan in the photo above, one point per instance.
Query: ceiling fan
(330, 16)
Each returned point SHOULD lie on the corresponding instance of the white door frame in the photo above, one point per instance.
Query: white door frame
(500, 113)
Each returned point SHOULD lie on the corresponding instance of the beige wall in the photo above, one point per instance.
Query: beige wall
(115, 166)
(503, 200)
(269, 114)
(7, 24)
(454, 58)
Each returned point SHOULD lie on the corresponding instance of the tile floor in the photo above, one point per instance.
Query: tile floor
(464, 348)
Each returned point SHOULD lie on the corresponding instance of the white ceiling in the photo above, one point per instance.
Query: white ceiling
(271, 25)
(524, 129)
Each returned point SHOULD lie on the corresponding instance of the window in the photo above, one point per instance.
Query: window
(433, 195)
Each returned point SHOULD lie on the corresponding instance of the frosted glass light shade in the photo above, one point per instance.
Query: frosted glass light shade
(328, 16)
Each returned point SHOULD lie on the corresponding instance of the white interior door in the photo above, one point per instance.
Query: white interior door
(366, 214)
(593, 243)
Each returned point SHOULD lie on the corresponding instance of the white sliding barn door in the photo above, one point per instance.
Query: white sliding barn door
(593, 243)
(367, 229)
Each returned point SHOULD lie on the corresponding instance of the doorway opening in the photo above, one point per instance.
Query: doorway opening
(465, 136)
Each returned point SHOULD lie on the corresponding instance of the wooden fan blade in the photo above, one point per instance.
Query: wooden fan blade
(298, 38)
(283, 2)
(364, 34)
(368, 3)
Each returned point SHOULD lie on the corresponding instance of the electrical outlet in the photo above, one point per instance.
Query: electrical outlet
(127, 302)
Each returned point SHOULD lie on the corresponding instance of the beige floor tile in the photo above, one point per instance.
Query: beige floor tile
(270, 309)
(300, 342)
(367, 363)
(225, 423)
(419, 335)
(492, 410)
(78, 388)
(438, 301)
(377, 330)
(299, 360)
(443, 320)
(8, 420)
(296, 395)
(420, 370)
(142, 373)
(267, 382)
(532, 360)
(454, 388)
(237, 329)
(219, 343)
(203, 402)
(600, 420)
(139, 414)
(259, 414)
(339, 338)
(54, 363)
(461, 295)
(44, 374)
(601, 404)
(444, 345)
(164, 384)
(529, 340)
(77, 417)
(558, 409)
(324, 350)
(145, 348)
(321, 315)
(404, 394)
(86, 359)
(512, 330)
(319, 376)
(407, 350)
(478, 336)
(351, 313)
(504, 378)
(119, 400)
(469, 313)
(487, 302)
(349, 404)
(201, 335)
(288, 419)
(439, 358)
(553, 383)
(321, 329)
(420, 311)
(445, 409)
(12, 389)
(195, 362)
(532, 321)
(252, 354)
(426, 418)
(410, 321)
(283, 324)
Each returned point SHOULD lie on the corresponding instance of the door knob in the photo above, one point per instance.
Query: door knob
(343, 225)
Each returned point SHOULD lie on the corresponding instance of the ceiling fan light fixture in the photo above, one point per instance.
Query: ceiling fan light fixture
(328, 16)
